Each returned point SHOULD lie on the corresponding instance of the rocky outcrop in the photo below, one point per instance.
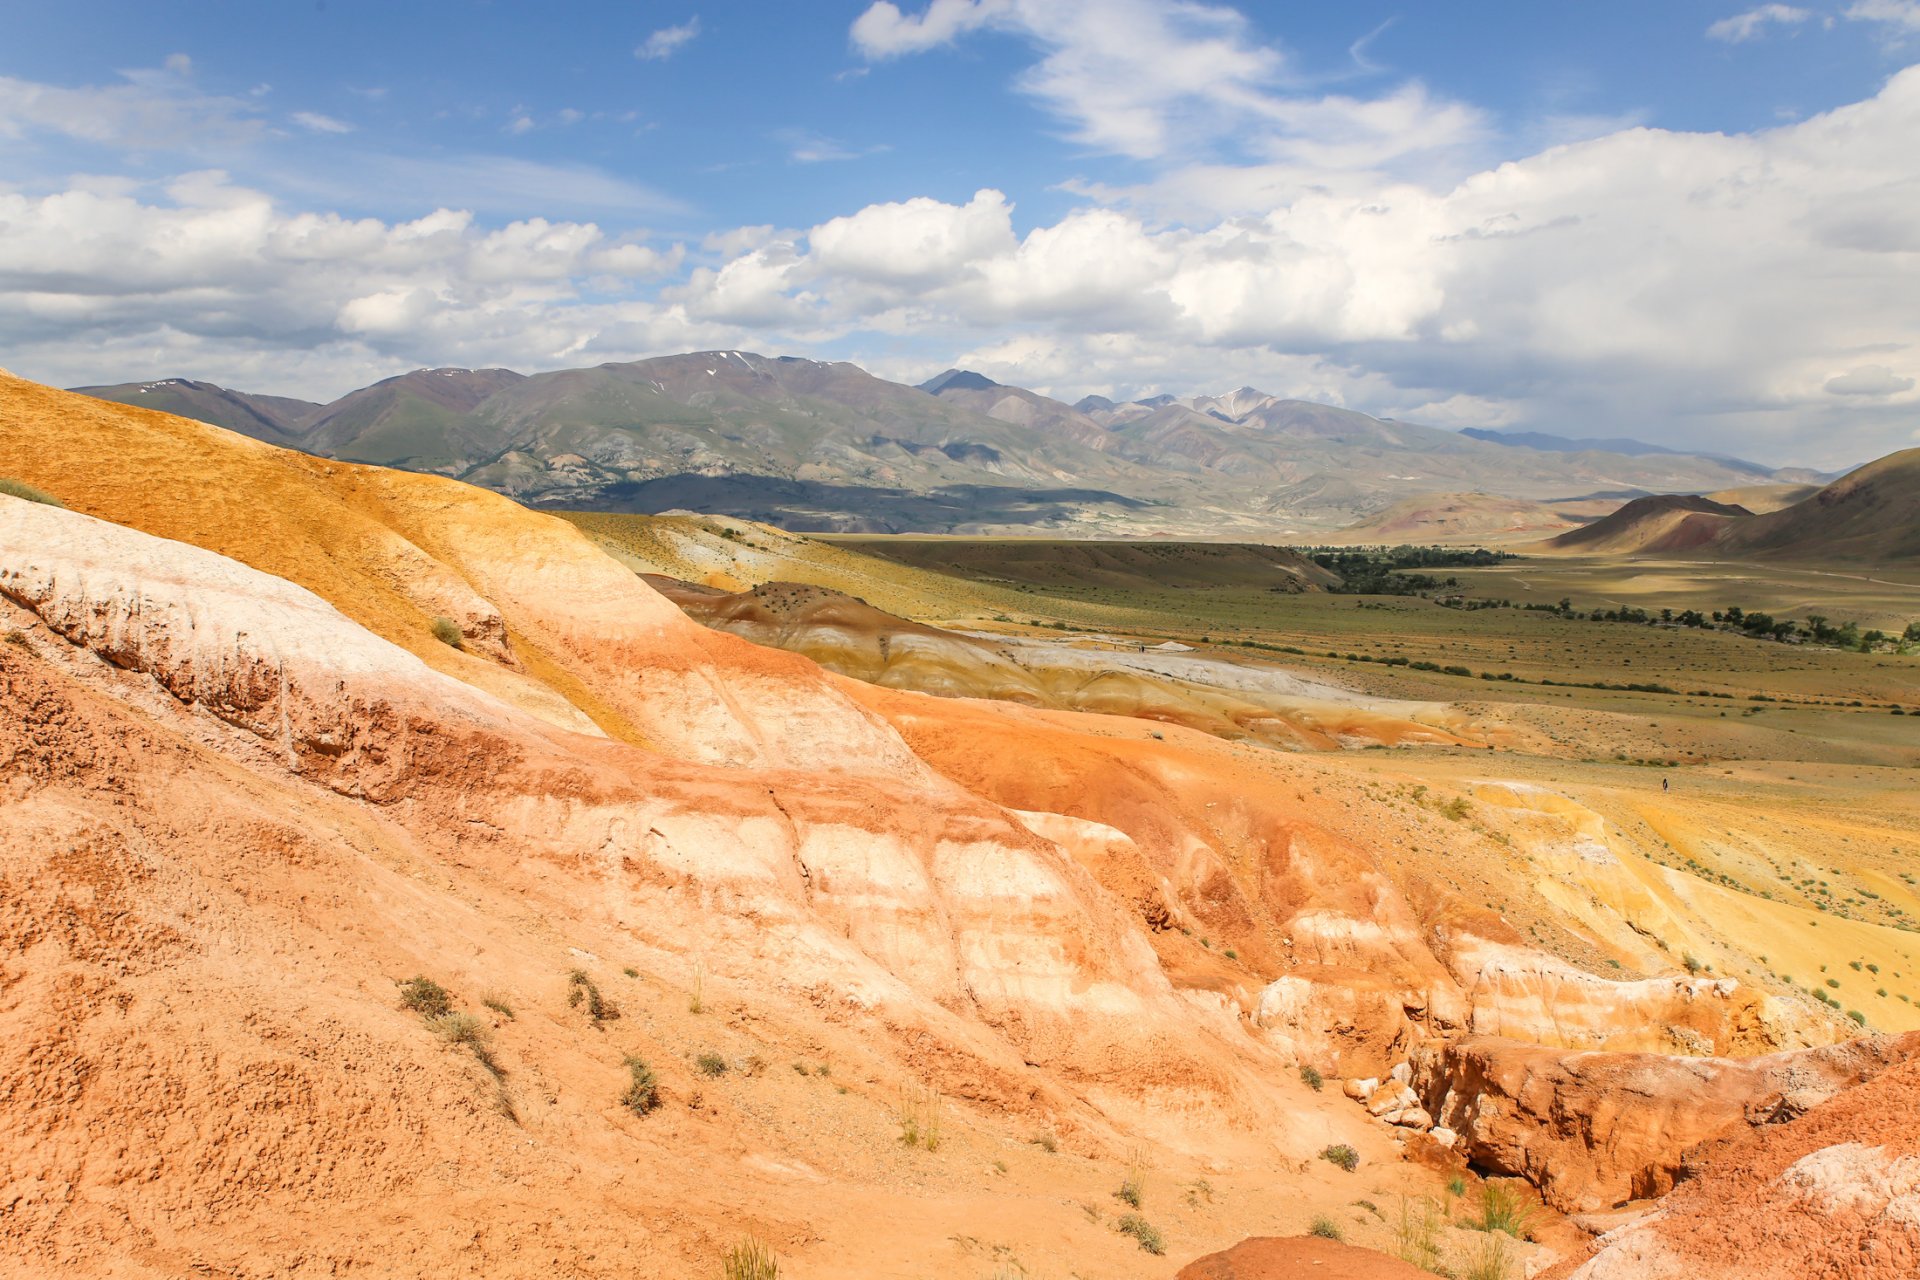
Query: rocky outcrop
(1595, 1130)
(1833, 1194)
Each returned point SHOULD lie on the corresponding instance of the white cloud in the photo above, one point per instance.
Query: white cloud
(1149, 79)
(1750, 25)
(156, 109)
(1715, 280)
(914, 243)
(882, 31)
(314, 122)
(1869, 380)
(667, 41)
(811, 148)
(219, 278)
(1897, 17)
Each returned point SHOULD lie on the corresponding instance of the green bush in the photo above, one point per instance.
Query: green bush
(1311, 1077)
(1501, 1209)
(580, 990)
(711, 1065)
(1145, 1232)
(426, 997)
(643, 1088)
(14, 488)
(1326, 1228)
(447, 632)
(1343, 1155)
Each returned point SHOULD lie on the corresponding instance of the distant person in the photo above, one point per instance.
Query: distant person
(1666, 784)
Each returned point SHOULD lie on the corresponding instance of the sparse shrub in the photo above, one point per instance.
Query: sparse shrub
(469, 1032)
(1456, 809)
(1859, 1018)
(1488, 1258)
(17, 638)
(426, 997)
(1310, 1076)
(751, 1259)
(447, 632)
(1501, 1209)
(1343, 1155)
(1231, 954)
(1145, 1232)
(1326, 1228)
(697, 998)
(1416, 1234)
(1046, 1142)
(711, 1065)
(919, 1117)
(499, 1005)
(582, 991)
(631, 972)
(643, 1087)
(1456, 1186)
(17, 489)
(1133, 1187)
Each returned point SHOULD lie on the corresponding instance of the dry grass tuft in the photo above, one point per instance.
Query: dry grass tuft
(751, 1259)
(919, 1116)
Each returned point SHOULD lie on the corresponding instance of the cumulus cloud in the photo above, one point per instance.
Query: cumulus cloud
(915, 243)
(1644, 275)
(667, 41)
(1869, 380)
(1752, 24)
(217, 273)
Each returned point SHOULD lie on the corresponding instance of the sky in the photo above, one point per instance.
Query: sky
(1696, 223)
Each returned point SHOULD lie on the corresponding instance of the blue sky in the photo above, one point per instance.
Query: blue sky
(1472, 214)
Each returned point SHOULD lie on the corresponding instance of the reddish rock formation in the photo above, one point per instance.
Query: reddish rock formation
(1833, 1195)
(1594, 1130)
(1298, 1258)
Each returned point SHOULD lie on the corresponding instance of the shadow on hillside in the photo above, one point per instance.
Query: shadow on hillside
(810, 507)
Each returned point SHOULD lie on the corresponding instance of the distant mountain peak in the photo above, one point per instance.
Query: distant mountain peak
(958, 380)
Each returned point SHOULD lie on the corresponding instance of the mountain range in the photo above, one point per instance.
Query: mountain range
(827, 446)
